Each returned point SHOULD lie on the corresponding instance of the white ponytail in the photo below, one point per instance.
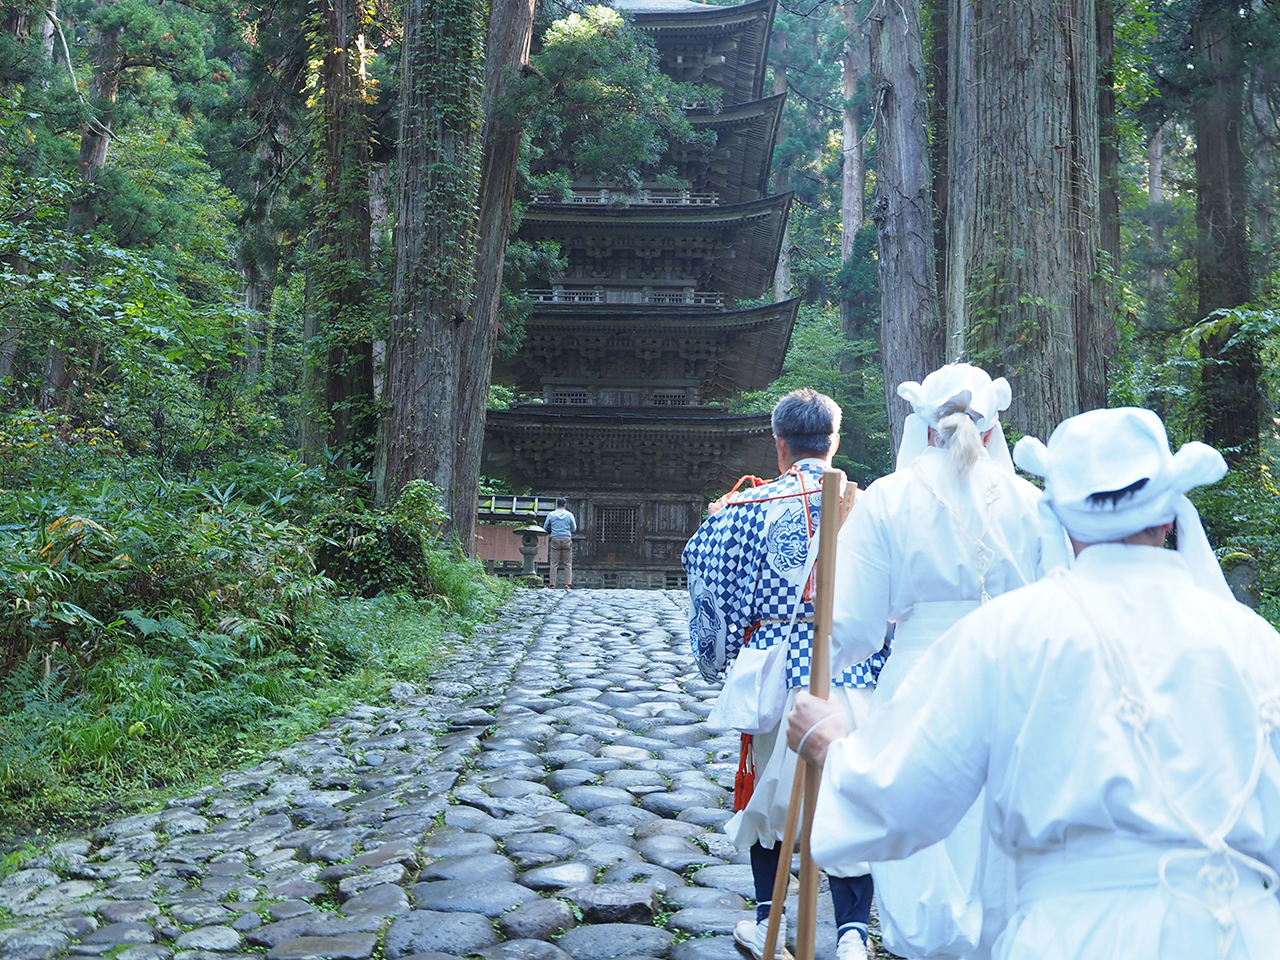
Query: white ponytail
(958, 435)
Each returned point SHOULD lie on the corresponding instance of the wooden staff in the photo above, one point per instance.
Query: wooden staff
(808, 777)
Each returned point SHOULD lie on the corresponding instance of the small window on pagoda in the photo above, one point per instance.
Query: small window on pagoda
(616, 524)
(570, 397)
(670, 399)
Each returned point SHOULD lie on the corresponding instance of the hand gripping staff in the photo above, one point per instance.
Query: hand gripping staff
(808, 777)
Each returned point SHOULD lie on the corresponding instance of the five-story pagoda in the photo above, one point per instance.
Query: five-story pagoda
(643, 331)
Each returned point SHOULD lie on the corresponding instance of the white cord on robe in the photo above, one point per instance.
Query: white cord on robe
(1220, 881)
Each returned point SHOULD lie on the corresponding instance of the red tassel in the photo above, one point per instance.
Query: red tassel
(744, 784)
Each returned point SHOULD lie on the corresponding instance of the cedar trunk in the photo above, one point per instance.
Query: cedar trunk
(910, 329)
(1156, 286)
(507, 50)
(781, 273)
(340, 360)
(853, 183)
(438, 167)
(447, 282)
(940, 82)
(95, 135)
(1024, 299)
(1093, 387)
(1229, 383)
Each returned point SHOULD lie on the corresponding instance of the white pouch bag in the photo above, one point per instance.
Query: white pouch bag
(754, 695)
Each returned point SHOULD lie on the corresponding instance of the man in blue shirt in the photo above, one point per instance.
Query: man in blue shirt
(560, 526)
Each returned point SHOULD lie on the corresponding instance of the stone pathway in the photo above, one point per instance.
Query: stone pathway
(552, 795)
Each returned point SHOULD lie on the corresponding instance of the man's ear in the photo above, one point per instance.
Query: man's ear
(835, 444)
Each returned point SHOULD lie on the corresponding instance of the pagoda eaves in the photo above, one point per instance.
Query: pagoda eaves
(624, 355)
(677, 450)
(699, 43)
(731, 248)
(737, 167)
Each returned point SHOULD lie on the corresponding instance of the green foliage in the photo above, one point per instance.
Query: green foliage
(153, 629)
(595, 105)
(1241, 514)
(380, 551)
(187, 706)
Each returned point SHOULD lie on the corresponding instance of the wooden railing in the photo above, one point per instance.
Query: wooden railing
(496, 507)
(675, 298)
(605, 196)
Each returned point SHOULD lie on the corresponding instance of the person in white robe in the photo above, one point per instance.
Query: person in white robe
(950, 529)
(1122, 715)
(750, 568)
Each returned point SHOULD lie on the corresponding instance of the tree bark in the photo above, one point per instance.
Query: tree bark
(1230, 397)
(853, 183)
(47, 31)
(507, 50)
(438, 167)
(259, 243)
(962, 171)
(95, 135)
(910, 329)
(1156, 286)
(1024, 296)
(1108, 145)
(782, 273)
(340, 367)
(379, 239)
(939, 105)
(1093, 383)
(8, 356)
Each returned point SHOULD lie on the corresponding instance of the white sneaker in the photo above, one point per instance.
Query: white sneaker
(851, 947)
(750, 936)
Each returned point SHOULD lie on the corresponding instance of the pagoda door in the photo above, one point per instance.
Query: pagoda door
(617, 533)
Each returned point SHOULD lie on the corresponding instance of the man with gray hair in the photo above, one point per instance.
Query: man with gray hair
(751, 613)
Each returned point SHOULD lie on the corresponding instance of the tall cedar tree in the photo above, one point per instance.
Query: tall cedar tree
(339, 327)
(910, 328)
(435, 247)
(853, 174)
(507, 51)
(457, 185)
(1230, 397)
(1024, 298)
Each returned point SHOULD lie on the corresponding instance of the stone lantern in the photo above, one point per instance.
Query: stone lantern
(529, 546)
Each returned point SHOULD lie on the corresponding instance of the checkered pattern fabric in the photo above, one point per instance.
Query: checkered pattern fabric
(746, 566)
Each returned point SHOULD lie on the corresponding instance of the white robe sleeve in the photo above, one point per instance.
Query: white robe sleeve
(861, 611)
(904, 779)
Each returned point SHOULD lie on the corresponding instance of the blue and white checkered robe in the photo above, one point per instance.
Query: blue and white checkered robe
(745, 566)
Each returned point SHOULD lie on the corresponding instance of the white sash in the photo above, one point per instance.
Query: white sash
(754, 696)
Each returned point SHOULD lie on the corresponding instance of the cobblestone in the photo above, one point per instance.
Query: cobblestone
(552, 794)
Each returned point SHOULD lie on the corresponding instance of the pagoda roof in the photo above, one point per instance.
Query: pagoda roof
(737, 167)
(656, 449)
(701, 43)
(723, 352)
(730, 248)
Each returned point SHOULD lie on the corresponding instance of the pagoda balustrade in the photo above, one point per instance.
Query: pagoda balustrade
(670, 298)
(606, 197)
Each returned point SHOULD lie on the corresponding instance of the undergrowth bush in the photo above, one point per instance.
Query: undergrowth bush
(155, 628)
(1241, 514)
